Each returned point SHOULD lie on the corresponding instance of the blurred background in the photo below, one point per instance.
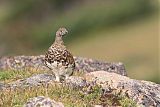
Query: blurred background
(109, 30)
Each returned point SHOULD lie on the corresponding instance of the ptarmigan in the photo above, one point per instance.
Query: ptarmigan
(58, 58)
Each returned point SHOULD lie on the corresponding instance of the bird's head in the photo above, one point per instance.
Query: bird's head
(61, 32)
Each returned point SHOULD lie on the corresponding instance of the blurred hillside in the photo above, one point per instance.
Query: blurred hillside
(110, 30)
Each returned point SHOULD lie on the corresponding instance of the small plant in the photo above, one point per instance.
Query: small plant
(79, 73)
(126, 102)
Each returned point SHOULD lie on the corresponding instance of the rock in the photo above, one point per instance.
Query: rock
(39, 79)
(2, 86)
(75, 81)
(144, 93)
(42, 101)
(82, 64)
(35, 80)
(91, 65)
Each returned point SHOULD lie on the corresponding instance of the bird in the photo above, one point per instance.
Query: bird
(58, 59)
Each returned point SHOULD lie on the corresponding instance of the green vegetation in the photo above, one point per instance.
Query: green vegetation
(126, 102)
(70, 97)
(11, 75)
(80, 20)
(86, 19)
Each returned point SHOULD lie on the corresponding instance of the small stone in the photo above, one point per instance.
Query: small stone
(42, 101)
(98, 106)
(2, 86)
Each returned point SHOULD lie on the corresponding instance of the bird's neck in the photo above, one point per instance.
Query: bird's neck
(59, 40)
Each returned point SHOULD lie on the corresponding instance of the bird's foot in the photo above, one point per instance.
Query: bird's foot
(66, 77)
(57, 79)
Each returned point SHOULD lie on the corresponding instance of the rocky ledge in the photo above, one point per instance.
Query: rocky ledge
(82, 64)
(143, 93)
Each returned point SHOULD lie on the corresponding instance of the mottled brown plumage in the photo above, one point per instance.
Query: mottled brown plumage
(58, 58)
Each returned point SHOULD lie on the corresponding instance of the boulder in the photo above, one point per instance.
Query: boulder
(144, 93)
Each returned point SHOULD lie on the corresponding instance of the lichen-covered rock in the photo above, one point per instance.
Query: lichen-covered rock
(144, 93)
(82, 64)
(75, 81)
(35, 80)
(42, 101)
(39, 79)
(2, 86)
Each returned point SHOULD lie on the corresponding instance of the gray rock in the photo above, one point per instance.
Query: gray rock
(75, 81)
(82, 64)
(2, 86)
(39, 79)
(144, 93)
(42, 101)
(35, 80)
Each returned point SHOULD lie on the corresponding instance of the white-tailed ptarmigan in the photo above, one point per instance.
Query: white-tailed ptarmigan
(58, 58)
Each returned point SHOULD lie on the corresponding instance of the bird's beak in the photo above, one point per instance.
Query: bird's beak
(66, 33)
